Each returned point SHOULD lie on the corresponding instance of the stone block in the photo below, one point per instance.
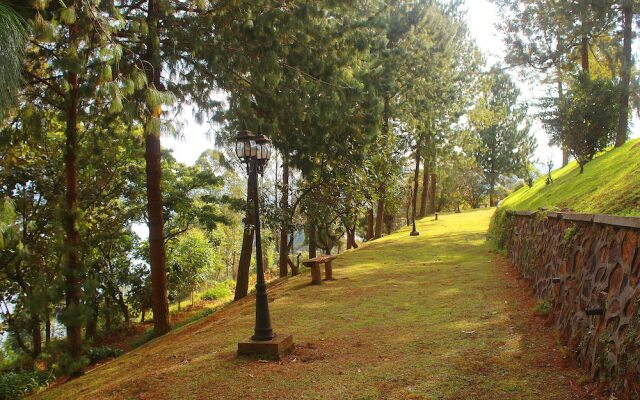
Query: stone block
(578, 217)
(628, 222)
(273, 349)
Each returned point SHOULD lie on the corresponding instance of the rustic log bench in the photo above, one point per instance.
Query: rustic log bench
(314, 264)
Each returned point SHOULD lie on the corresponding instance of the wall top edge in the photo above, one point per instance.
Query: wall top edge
(604, 219)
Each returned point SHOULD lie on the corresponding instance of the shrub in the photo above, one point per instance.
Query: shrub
(15, 385)
(543, 308)
(100, 353)
(219, 291)
(498, 228)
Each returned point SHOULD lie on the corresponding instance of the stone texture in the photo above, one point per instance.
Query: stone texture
(272, 349)
(598, 266)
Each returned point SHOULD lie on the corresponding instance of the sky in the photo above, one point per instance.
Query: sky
(482, 17)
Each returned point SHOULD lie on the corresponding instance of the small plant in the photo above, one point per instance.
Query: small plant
(219, 291)
(100, 353)
(543, 308)
(570, 233)
(15, 385)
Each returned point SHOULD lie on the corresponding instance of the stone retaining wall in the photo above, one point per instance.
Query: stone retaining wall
(588, 267)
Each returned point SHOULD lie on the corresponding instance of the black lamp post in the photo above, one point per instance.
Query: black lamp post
(255, 151)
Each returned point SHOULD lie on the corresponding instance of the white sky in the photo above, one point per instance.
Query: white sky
(482, 18)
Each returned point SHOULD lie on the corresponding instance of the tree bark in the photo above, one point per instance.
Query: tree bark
(313, 247)
(584, 54)
(92, 323)
(47, 328)
(369, 224)
(36, 336)
(416, 176)
(284, 227)
(625, 74)
(379, 218)
(73, 268)
(432, 193)
(242, 281)
(153, 158)
(425, 190)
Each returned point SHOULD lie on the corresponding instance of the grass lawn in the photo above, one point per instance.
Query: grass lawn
(438, 316)
(610, 184)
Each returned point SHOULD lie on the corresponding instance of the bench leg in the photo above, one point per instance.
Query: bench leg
(328, 271)
(316, 275)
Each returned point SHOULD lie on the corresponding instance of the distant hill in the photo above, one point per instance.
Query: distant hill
(610, 184)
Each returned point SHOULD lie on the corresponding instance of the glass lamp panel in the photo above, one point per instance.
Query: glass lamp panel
(254, 148)
(240, 149)
(261, 152)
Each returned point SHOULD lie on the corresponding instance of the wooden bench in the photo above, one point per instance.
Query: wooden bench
(314, 264)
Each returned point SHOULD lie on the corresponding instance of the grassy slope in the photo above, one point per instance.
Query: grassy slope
(610, 184)
(439, 316)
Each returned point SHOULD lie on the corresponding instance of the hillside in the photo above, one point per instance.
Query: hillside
(610, 184)
(438, 316)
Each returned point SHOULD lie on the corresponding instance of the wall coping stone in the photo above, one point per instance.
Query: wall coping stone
(604, 219)
(580, 217)
(629, 222)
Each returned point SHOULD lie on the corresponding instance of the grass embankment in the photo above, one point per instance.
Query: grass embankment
(438, 316)
(610, 184)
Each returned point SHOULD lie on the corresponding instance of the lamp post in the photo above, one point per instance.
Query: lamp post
(255, 151)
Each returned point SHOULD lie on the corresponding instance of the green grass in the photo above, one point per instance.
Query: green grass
(610, 184)
(438, 316)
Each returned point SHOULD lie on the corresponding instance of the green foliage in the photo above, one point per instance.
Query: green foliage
(13, 36)
(15, 385)
(497, 233)
(96, 354)
(217, 292)
(543, 308)
(500, 122)
(585, 119)
(191, 261)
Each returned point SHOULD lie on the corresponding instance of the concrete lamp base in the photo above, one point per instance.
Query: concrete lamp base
(273, 349)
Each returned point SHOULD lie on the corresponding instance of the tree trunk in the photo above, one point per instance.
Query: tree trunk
(351, 237)
(625, 74)
(153, 158)
(107, 315)
(47, 328)
(565, 150)
(284, 227)
(142, 315)
(492, 201)
(124, 308)
(36, 336)
(379, 218)
(584, 54)
(72, 236)
(242, 281)
(369, 224)
(313, 248)
(92, 323)
(425, 190)
(416, 180)
(432, 193)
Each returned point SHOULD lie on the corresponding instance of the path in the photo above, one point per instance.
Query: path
(439, 316)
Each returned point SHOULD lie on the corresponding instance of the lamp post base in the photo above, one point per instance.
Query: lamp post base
(414, 233)
(273, 349)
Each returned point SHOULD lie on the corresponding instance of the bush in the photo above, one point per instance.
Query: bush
(100, 353)
(219, 291)
(498, 228)
(15, 385)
